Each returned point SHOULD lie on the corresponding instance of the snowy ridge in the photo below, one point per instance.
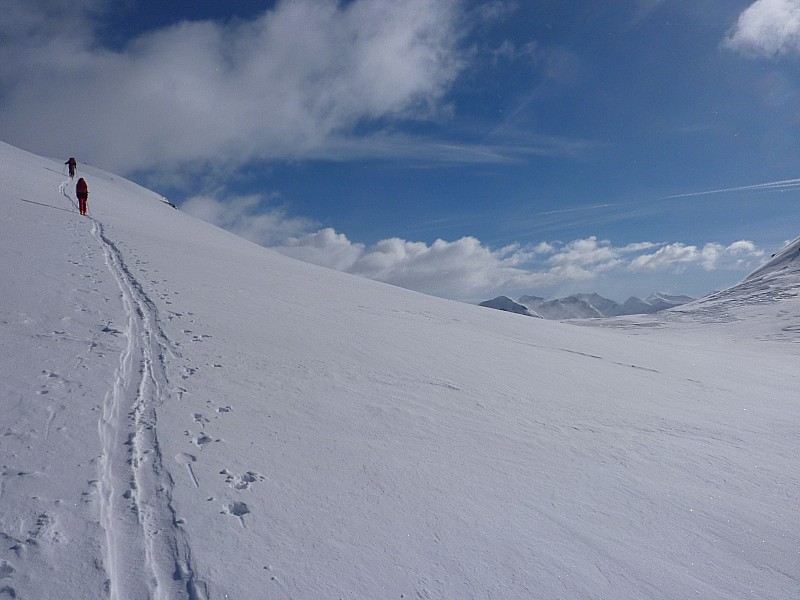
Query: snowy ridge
(786, 259)
(591, 306)
(507, 304)
(767, 296)
(136, 490)
(764, 306)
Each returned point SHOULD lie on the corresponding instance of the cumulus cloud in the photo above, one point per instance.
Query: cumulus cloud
(767, 28)
(324, 247)
(465, 267)
(677, 256)
(253, 217)
(292, 83)
(745, 247)
(665, 257)
(460, 268)
(594, 256)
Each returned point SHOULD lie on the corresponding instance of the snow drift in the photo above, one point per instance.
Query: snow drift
(188, 415)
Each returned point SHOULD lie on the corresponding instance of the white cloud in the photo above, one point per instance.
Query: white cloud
(460, 268)
(745, 247)
(585, 252)
(596, 255)
(744, 254)
(292, 83)
(251, 217)
(324, 247)
(677, 256)
(710, 256)
(767, 28)
(466, 267)
(544, 248)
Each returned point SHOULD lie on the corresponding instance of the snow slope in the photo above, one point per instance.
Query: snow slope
(188, 415)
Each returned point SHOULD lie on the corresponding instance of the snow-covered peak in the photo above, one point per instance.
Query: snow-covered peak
(591, 306)
(507, 304)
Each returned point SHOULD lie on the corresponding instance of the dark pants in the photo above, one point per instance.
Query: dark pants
(82, 199)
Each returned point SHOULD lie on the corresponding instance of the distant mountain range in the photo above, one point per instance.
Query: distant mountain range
(585, 306)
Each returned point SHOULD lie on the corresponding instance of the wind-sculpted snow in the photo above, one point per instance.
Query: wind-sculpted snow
(188, 415)
(785, 263)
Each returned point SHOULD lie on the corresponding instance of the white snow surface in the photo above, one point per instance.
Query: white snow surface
(188, 415)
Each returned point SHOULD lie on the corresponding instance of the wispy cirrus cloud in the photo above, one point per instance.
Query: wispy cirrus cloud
(772, 186)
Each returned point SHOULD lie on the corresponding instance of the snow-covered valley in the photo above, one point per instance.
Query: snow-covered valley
(188, 415)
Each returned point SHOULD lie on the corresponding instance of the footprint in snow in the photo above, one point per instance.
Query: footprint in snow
(93, 488)
(5, 569)
(50, 375)
(201, 439)
(45, 529)
(243, 481)
(196, 337)
(237, 509)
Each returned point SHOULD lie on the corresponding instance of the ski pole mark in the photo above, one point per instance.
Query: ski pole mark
(51, 413)
(183, 458)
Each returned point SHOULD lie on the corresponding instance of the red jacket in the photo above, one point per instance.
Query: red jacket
(81, 188)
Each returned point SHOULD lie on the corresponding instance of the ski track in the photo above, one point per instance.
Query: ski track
(64, 189)
(147, 555)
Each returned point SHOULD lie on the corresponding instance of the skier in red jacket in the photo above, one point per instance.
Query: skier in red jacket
(82, 192)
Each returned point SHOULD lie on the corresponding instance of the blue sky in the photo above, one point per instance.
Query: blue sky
(464, 149)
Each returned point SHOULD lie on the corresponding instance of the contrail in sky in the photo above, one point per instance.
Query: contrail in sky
(575, 209)
(774, 185)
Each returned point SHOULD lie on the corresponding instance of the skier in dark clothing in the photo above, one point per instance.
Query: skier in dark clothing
(82, 192)
(72, 166)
